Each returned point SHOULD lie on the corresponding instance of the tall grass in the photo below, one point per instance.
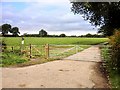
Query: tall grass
(10, 58)
(114, 76)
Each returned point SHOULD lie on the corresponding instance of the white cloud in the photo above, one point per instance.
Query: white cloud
(52, 15)
(44, 1)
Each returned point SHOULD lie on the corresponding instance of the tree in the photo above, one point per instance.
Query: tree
(5, 29)
(103, 14)
(88, 35)
(0, 28)
(62, 35)
(42, 33)
(15, 31)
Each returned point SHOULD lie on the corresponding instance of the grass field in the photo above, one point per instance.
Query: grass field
(15, 41)
(57, 48)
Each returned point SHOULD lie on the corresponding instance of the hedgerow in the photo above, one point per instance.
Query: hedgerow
(115, 53)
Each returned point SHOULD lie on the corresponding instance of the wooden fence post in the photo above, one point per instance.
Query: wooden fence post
(30, 51)
(22, 44)
(47, 50)
(12, 49)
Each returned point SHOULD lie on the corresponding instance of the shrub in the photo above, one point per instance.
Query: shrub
(4, 46)
(115, 54)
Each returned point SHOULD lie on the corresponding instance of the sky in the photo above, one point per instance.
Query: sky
(54, 16)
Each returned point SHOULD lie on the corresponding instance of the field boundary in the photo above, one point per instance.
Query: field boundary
(45, 51)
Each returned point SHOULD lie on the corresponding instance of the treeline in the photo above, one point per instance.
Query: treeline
(37, 35)
(43, 33)
(63, 35)
(5, 29)
(92, 35)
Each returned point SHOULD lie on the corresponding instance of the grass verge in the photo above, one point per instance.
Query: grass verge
(114, 76)
(10, 58)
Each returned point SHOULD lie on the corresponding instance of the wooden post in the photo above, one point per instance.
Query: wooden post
(47, 50)
(30, 51)
(22, 44)
(12, 49)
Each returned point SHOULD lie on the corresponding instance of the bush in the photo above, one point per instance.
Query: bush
(115, 54)
(4, 46)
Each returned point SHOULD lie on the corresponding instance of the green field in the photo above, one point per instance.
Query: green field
(58, 49)
(15, 41)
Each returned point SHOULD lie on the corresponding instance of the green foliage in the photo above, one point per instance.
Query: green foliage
(115, 42)
(104, 14)
(15, 31)
(114, 75)
(62, 35)
(10, 58)
(3, 46)
(92, 35)
(42, 33)
(16, 41)
(112, 59)
(8, 28)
